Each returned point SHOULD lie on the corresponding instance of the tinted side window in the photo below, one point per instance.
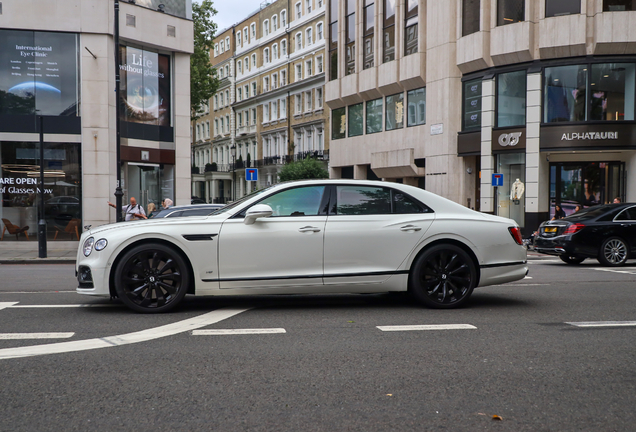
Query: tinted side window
(363, 200)
(627, 214)
(303, 201)
(175, 214)
(404, 204)
(197, 212)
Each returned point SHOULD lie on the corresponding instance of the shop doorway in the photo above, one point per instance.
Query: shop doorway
(585, 184)
(149, 183)
(510, 199)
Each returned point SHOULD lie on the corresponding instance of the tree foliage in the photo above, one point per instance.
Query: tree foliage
(305, 169)
(203, 79)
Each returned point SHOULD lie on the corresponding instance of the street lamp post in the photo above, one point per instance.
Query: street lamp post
(118, 190)
(233, 152)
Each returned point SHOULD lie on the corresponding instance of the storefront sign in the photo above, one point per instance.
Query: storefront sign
(507, 140)
(437, 129)
(593, 136)
(511, 139)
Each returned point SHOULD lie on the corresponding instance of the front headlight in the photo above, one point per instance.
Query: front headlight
(88, 246)
(101, 244)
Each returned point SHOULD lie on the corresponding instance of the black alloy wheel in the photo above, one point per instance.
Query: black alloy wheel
(614, 252)
(152, 278)
(571, 259)
(443, 277)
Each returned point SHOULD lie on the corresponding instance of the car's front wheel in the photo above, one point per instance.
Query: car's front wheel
(614, 252)
(568, 259)
(152, 278)
(443, 277)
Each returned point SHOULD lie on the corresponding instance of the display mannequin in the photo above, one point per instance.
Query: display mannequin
(516, 190)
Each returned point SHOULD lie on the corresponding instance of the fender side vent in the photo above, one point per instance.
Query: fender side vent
(199, 237)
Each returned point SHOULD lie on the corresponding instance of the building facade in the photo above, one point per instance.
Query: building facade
(57, 63)
(275, 58)
(539, 92)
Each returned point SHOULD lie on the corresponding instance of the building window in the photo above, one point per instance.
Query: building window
(227, 70)
(319, 98)
(253, 30)
(245, 38)
(240, 119)
(216, 50)
(283, 77)
(198, 134)
(319, 64)
(238, 39)
(308, 104)
(565, 94)
(355, 123)
(265, 27)
(299, 72)
(246, 62)
(369, 32)
(350, 29)
(227, 43)
(309, 36)
(207, 129)
(471, 16)
(618, 5)
(274, 81)
(216, 101)
(388, 45)
(253, 116)
(247, 91)
(299, 104)
(265, 112)
(227, 97)
(333, 40)
(283, 19)
(222, 126)
(222, 47)
(308, 6)
(254, 60)
(239, 66)
(275, 52)
(283, 47)
(266, 84)
(239, 94)
(319, 31)
(216, 126)
(274, 110)
(254, 88)
(410, 28)
(274, 23)
(222, 103)
(338, 123)
(308, 68)
(246, 117)
(299, 10)
(416, 102)
(266, 55)
(562, 7)
(511, 99)
(395, 111)
(510, 11)
(472, 105)
(612, 92)
(374, 116)
(299, 41)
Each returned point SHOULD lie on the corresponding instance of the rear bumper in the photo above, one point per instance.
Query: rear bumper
(503, 274)
(563, 245)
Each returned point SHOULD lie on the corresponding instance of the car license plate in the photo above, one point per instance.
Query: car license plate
(550, 230)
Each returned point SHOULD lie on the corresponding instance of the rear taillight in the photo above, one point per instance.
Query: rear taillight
(515, 232)
(574, 228)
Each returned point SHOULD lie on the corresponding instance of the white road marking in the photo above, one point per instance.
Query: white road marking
(123, 339)
(37, 292)
(528, 277)
(4, 305)
(23, 336)
(223, 332)
(603, 324)
(427, 327)
(97, 305)
(613, 270)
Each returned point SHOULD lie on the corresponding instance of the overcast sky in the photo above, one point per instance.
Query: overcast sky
(232, 11)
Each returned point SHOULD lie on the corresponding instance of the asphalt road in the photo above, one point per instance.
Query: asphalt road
(332, 369)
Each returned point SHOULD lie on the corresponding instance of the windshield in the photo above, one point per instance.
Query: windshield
(235, 204)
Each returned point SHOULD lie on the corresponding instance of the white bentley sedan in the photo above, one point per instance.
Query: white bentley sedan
(307, 237)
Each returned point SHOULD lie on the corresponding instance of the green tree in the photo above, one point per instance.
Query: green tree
(306, 169)
(203, 79)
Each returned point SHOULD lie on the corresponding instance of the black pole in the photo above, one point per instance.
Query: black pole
(234, 176)
(118, 191)
(42, 222)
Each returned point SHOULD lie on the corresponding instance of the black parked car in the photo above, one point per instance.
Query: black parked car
(605, 232)
(188, 210)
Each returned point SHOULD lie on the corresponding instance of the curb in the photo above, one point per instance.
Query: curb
(37, 261)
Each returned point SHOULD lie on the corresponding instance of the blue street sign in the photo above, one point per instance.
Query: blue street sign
(497, 180)
(251, 174)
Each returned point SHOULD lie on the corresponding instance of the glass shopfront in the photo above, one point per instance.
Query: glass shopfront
(149, 183)
(20, 187)
(510, 199)
(585, 184)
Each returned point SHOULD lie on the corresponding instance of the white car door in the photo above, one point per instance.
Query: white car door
(283, 250)
(370, 231)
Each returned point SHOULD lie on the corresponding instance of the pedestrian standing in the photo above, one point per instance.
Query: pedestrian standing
(132, 211)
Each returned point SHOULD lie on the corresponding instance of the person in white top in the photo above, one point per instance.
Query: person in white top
(133, 211)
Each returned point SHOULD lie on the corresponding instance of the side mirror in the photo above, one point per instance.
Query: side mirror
(257, 211)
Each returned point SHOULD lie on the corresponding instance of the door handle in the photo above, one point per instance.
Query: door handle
(410, 228)
(309, 229)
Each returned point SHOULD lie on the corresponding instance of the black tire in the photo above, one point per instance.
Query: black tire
(571, 259)
(152, 278)
(614, 252)
(443, 277)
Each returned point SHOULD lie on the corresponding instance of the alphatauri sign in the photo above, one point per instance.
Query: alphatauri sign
(593, 136)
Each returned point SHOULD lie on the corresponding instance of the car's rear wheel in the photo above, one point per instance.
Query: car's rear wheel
(571, 259)
(443, 277)
(614, 252)
(152, 278)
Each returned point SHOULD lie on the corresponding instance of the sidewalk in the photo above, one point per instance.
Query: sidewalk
(58, 252)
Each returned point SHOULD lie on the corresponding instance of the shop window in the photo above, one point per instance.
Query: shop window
(350, 48)
(511, 99)
(470, 16)
(612, 89)
(374, 116)
(355, 123)
(416, 102)
(338, 123)
(410, 28)
(472, 106)
(562, 7)
(618, 5)
(395, 111)
(388, 44)
(333, 40)
(510, 198)
(510, 11)
(369, 32)
(565, 94)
